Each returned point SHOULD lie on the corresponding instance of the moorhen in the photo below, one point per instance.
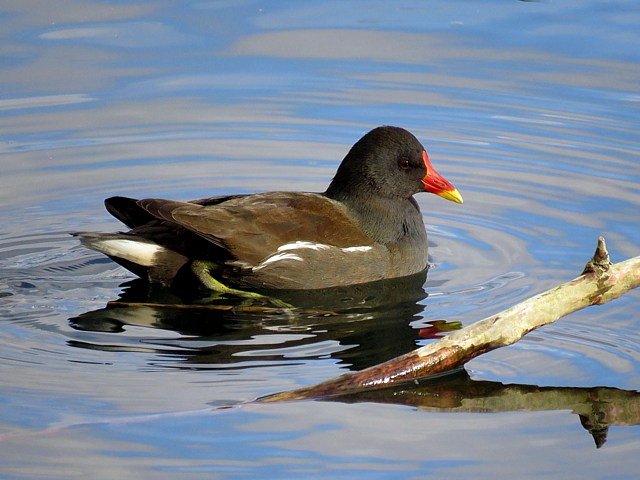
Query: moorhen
(366, 226)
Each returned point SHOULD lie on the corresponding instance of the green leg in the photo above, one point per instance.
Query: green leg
(202, 270)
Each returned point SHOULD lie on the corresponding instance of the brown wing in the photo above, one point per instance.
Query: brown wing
(129, 212)
(252, 227)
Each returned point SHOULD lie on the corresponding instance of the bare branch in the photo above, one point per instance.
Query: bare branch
(600, 283)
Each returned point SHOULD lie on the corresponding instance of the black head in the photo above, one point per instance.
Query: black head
(388, 162)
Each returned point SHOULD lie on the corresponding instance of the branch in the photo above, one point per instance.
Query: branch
(600, 282)
(598, 408)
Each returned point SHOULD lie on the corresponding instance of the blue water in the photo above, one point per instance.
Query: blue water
(532, 109)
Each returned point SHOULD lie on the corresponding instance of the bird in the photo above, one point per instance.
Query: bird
(365, 227)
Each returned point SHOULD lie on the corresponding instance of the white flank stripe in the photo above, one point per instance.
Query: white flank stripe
(278, 257)
(302, 244)
(364, 248)
(138, 252)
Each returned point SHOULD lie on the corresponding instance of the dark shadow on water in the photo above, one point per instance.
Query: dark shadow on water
(365, 324)
(371, 323)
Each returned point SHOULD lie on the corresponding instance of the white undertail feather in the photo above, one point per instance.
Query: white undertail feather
(139, 252)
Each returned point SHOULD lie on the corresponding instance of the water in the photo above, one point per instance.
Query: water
(530, 108)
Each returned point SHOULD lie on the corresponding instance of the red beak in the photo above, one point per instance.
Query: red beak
(435, 183)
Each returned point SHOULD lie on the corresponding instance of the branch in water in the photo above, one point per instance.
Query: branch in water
(600, 283)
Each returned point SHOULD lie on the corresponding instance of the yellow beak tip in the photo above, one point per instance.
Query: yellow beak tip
(452, 195)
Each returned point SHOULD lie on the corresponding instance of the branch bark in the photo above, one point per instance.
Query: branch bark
(600, 282)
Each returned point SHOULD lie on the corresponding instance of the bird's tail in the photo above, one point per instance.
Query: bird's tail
(143, 257)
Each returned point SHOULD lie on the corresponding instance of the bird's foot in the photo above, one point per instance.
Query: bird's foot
(202, 270)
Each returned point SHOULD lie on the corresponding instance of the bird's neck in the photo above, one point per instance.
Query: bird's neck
(384, 220)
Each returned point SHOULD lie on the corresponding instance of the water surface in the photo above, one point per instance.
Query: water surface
(530, 108)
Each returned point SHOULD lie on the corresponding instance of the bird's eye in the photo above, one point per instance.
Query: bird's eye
(403, 163)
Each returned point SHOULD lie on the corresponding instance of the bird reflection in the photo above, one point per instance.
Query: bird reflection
(359, 326)
(364, 324)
